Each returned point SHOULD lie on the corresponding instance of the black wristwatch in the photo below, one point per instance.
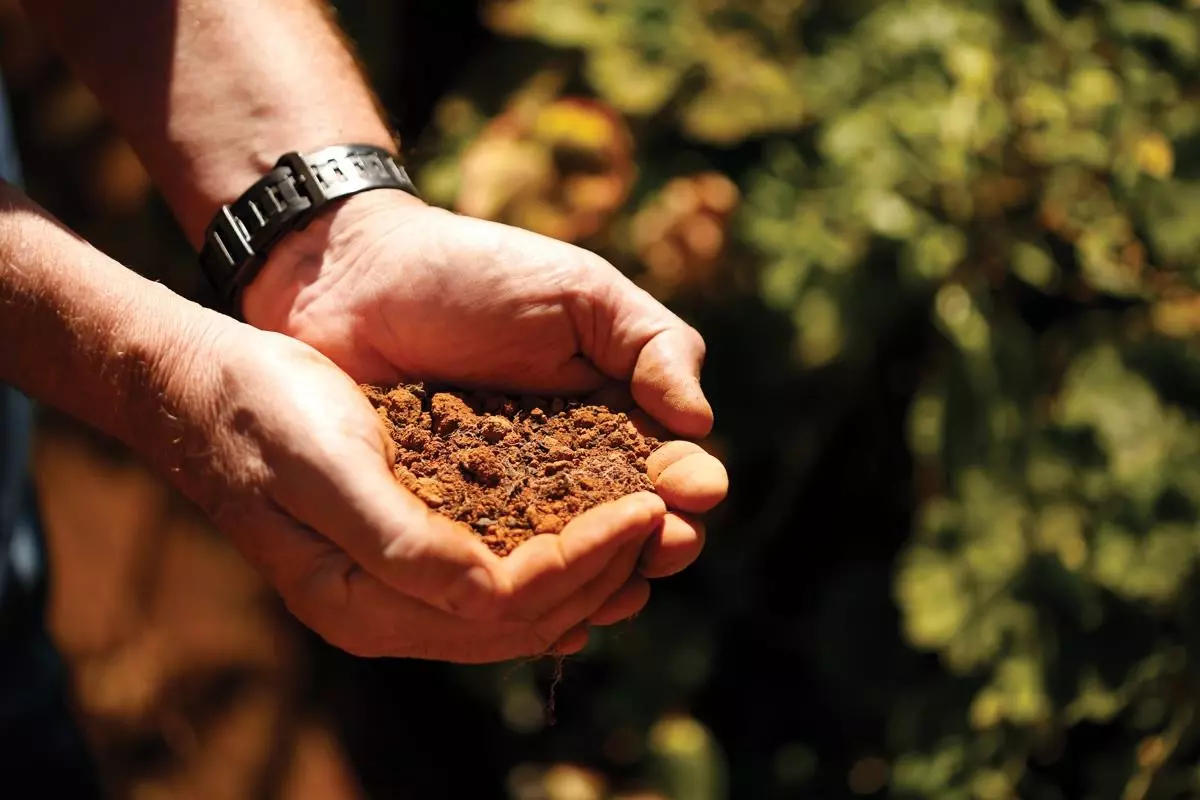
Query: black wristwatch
(285, 199)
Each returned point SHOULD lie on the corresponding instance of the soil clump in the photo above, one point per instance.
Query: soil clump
(510, 467)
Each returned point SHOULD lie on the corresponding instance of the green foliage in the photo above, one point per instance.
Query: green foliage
(735, 63)
(1026, 178)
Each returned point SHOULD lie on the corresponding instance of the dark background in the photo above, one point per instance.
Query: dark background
(779, 665)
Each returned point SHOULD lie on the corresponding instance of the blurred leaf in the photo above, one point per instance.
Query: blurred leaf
(686, 760)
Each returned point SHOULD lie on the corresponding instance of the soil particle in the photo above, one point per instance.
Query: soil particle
(510, 467)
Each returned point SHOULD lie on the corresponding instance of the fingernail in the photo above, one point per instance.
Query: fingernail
(473, 596)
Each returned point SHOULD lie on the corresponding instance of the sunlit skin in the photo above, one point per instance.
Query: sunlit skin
(262, 424)
(480, 304)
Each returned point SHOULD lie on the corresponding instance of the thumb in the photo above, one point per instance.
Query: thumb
(666, 382)
(631, 336)
(357, 503)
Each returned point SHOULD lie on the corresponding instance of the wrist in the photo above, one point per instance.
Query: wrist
(192, 404)
(299, 188)
(307, 262)
(221, 173)
(123, 354)
(163, 359)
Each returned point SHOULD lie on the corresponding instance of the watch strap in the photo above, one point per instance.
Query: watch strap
(287, 198)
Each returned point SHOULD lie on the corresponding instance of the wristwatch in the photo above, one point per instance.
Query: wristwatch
(287, 198)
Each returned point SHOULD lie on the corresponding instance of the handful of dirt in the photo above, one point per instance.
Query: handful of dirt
(510, 467)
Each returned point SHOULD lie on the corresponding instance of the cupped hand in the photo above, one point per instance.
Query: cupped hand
(289, 459)
(390, 289)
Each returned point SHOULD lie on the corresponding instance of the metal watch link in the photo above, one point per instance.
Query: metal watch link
(287, 198)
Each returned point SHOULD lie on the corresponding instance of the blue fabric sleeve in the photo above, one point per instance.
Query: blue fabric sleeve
(16, 422)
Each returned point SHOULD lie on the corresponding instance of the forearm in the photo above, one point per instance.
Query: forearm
(211, 92)
(82, 333)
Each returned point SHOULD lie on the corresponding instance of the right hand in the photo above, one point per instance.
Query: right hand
(290, 461)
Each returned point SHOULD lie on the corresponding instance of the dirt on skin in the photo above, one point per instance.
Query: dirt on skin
(510, 467)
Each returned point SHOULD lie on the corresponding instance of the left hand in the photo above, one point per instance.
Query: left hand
(392, 289)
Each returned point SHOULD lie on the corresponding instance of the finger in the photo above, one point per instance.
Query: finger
(628, 601)
(357, 503)
(547, 569)
(686, 477)
(672, 547)
(632, 337)
(666, 382)
(593, 597)
(356, 612)
(559, 631)
(572, 642)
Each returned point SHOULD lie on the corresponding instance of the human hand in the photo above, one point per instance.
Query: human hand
(391, 289)
(289, 459)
